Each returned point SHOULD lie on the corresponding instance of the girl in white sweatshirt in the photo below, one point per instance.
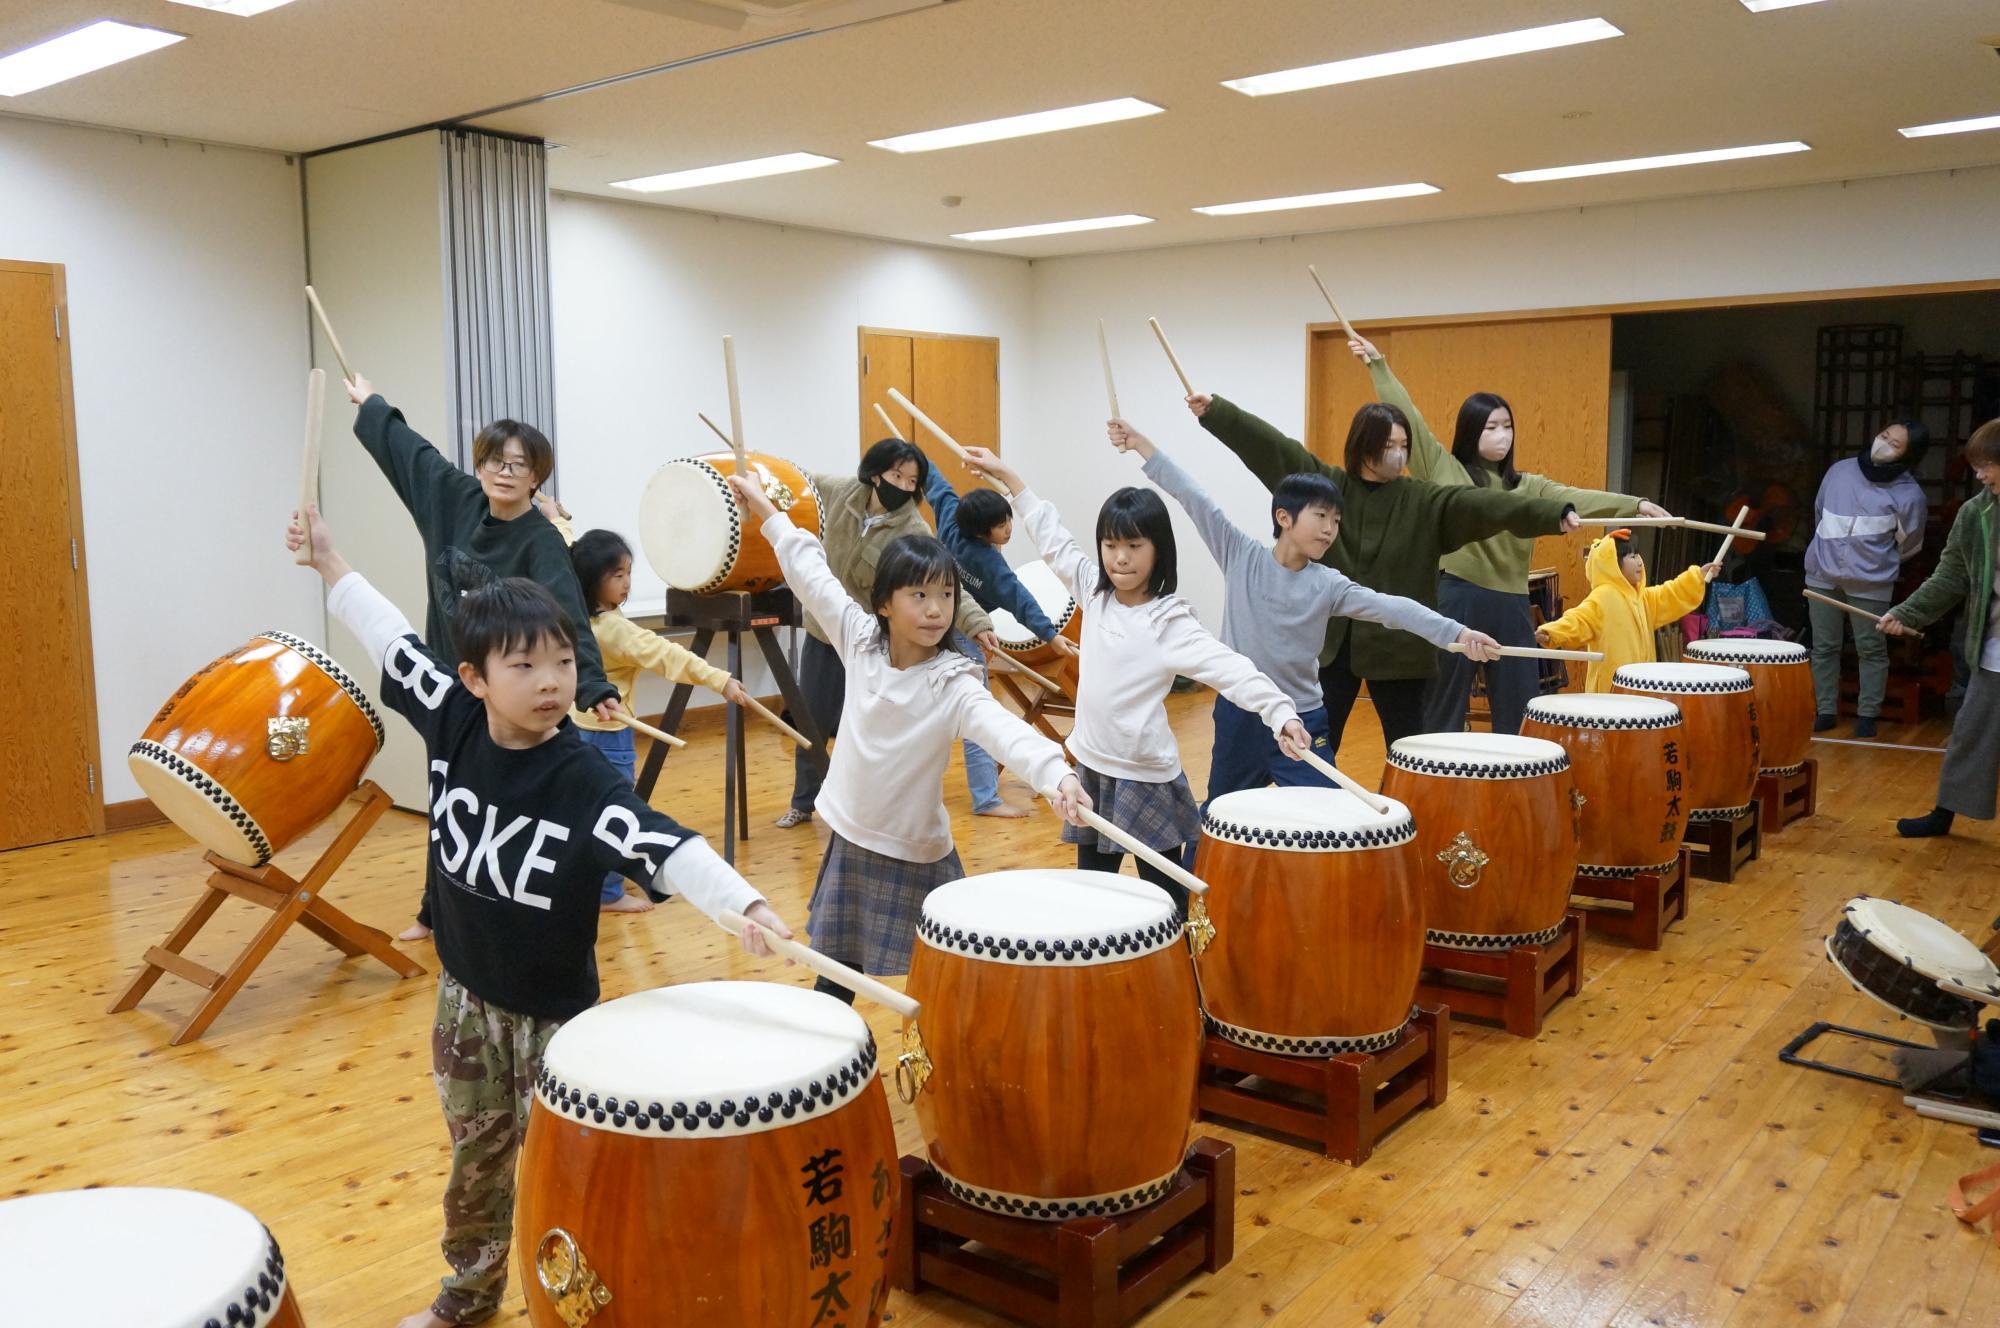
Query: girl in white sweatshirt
(909, 697)
(1137, 635)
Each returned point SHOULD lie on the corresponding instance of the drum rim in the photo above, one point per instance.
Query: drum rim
(1399, 827)
(1153, 930)
(700, 463)
(1473, 940)
(1988, 973)
(326, 664)
(1833, 954)
(178, 767)
(1724, 650)
(1628, 675)
(1307, 1044)
(1550, 710)
(1518, 767)
(1058, 1208)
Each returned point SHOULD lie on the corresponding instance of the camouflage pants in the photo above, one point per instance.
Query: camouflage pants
(483, 1059)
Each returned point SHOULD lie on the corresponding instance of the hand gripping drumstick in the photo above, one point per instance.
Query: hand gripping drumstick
(735, 406)
(1172, 358)
(1339, 317)
(1110, 387)
(1378, 805)
(1687, 523)
(1728, 540)
(1846, 608)
(888, 423)
(1539, 652)
(312, 297)
(309, 479)
(830, 969)
(943, 437)
(657, 735)
(1016, 666)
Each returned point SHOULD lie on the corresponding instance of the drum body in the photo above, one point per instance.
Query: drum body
(716, 1153)
(698, 540)
(140, 1258)
(259, 747)
(1626, 754)
(1719, 715)
(1781, 678)
(1319, 920)
(1062, 1036)
(1896, 956)
(1497, 824)
(1057, 606)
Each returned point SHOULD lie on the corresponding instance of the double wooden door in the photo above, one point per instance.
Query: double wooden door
(954, 380)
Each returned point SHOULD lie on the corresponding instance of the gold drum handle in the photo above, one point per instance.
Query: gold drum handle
(1200, 927)
(913, 1066)
(285, 736)
(1463, 861)
(575, 1290)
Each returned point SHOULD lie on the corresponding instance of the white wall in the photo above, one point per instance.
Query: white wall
(188, 346)
(1237, 312)
(642, 296)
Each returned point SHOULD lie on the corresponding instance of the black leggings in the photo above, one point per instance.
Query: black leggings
(1399, 702)
(1089, 859)
(833, 989)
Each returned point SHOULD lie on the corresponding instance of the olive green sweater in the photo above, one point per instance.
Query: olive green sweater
(1964, 575)
(1499, 562)
(1391, 535)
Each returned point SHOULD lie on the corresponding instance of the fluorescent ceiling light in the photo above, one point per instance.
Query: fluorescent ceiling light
(240, 8)
(727, 172)
(1339, 196)
(1951, 127)
(1426, 57)
(102, 43)
(1054, 228)
(1759, 6)
(1020, 126)
(1652, 163)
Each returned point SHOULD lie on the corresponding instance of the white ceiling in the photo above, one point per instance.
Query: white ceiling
(1689, 74)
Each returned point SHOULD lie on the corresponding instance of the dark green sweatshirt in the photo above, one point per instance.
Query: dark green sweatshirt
(458, 526)
(1391, 535)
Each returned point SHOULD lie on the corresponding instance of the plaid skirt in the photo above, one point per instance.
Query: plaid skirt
(1161, 816)
(866, 905)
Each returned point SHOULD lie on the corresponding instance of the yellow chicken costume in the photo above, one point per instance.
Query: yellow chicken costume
(1620, 618)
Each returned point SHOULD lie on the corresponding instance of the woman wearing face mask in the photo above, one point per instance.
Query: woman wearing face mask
(1868, 520)
(1393, 531)
(859, 518)
(1484, 584)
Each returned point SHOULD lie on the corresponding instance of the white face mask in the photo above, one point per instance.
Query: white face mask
(1393, 460)
(1882, 452)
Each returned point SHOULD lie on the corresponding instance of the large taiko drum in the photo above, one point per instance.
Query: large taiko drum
(698, 540)
(1781, 674)
(140, 1258)
(1319, 920)
(1719, 712)
(1896, 956)
(259, 747)
(1627, 755)
(1055, 1059)
(1057, 605)
(1497, 820)
(714, 1153)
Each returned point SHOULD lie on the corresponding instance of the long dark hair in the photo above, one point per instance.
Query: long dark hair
(1134, 513)
(595, 556)
(911, 560)
(1472, 417)
(1368, 435)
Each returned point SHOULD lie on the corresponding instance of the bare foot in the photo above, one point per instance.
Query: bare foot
(426, 1320)
(416, 931)
(1005, 810)
(629, 904)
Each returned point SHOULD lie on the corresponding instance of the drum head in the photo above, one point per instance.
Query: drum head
(1478, 755)
(706, 1060)
(1922, 942)
(139, 1258)
(1306, 820)
(192, 800)
(1049, 591)
(1049, 917)
(1602, 710)
(1686, 679)
(689, 526)
(1012, 632)
(1746, 650)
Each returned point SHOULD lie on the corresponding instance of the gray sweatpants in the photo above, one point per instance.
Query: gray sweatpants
(1969, 783)
(1873, 648)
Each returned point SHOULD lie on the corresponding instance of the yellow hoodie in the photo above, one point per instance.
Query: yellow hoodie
(1620, 618)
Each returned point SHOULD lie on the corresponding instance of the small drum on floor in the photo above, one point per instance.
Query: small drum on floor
(1627, 755)
(1497, 820)
(1781, 673)
(696, 537)
(1057, 606)
(259, 747)
(1896, 956)
(1319, 920)
(1719, 714)
(1054, 1065)
(715, 1153)
(140, 1258)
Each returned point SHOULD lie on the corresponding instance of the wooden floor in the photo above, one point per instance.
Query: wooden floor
(1646, 1161)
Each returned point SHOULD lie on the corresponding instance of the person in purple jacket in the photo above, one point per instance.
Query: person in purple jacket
(1868, 519)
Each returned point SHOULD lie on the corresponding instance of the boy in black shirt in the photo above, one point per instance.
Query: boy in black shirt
(526, 820)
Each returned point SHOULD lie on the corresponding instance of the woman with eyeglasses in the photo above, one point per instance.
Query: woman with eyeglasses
(477, 529)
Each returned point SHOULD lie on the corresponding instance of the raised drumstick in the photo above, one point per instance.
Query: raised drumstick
(1172, 358)
(937, 432)
(657, 735)
(1339, 317)
(1688, 523)
(735, 405)
(1110, 387)
(888, 423)
(312, 297)
(1379, 806)
(1845, 608)
(1539, 652)
(830, 969)
(1728, 540)
(309, 479)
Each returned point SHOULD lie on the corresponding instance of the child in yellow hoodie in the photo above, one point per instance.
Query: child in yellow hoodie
(1622, 612)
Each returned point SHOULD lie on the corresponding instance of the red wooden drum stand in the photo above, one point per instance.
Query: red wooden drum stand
(1633, 904)
(1786, 796)
(1515, 987)
(1721, 848)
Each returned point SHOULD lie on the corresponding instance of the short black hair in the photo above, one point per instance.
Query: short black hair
(889, 453)
(1134, 513)
(911, 560)
(595, 556)
(980, 511)
(1625, 549)
(491, 441)
(1295, 493)
(512, 614)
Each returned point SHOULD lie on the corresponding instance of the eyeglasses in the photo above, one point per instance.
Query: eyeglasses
(502, 466)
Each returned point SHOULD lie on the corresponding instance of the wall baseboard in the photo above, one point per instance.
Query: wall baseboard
(131, 815)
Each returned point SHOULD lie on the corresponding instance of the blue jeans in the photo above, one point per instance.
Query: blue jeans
(1246, 756)
(620, 751)
(982, 772)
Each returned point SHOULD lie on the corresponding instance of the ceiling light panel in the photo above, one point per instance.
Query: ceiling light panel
(1759, 6)
(1467, 51)
(728, 172)
(1952, 127)
(1020, 126)
(1338, 197)
(75, 53)
(1652, 163)
(240, 8)
(1053, 228)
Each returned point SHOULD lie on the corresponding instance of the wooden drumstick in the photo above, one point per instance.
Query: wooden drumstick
(735, 405)
(1172, 358)
(932, 426)
(719, 431)
(309, 479)
(1110, 387)
(1376, 804)
(312, 296)
(1539, 652)
(1728, 540)
(1339, 317)
(753, 703)
(1194, 884)
(888, 423)
(1016, 666)
(830, 969)
(1845, 608)
(657, 735)
(1688, 523)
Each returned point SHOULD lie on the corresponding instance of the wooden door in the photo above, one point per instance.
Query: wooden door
(48, 739)
(1554, 372)
(954, 380)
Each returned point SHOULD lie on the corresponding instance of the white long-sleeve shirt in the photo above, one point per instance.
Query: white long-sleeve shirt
(884, 789)
(1129, 657)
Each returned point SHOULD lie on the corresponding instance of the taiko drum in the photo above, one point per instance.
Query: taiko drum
(698, 540)
(1057, 605)
(1627, 756)
(1781, 677)
(1719, 714)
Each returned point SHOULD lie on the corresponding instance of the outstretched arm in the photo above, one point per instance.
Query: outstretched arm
(1261, 446)
(1225, 540)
